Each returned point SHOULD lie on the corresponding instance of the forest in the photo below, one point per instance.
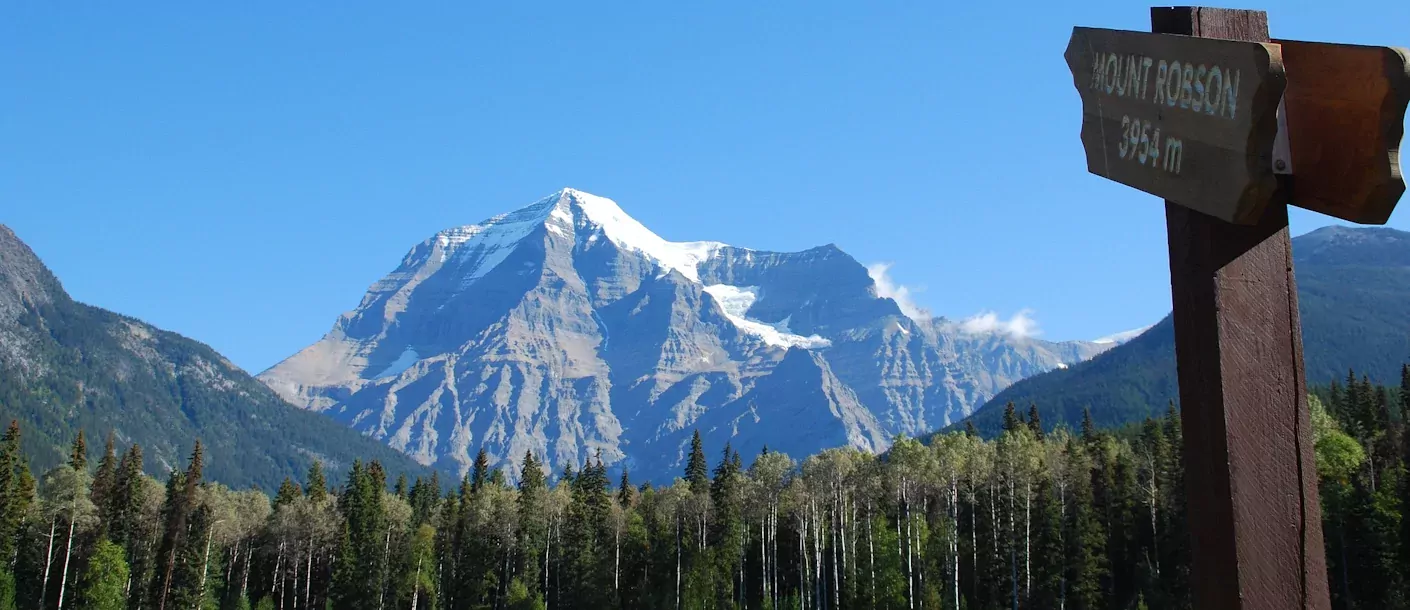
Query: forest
(1034, 518)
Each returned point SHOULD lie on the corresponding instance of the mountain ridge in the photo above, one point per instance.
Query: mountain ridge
(567, 328)
(66, 366)
(1353, 289)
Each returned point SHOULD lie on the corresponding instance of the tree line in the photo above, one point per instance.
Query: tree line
(1083, 519)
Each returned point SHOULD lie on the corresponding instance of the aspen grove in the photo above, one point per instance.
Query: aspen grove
(1035, 518)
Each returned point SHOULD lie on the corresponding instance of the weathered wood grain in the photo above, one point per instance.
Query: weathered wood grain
(1346, 116)
(1206, 110)
(1254, 517)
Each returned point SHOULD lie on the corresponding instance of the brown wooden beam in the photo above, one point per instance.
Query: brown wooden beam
(1254, 517)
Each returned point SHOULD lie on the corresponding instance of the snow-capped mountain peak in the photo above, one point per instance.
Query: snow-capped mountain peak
(559, 329)
(606, 216)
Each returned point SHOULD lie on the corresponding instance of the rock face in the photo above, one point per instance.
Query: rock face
(567, 328)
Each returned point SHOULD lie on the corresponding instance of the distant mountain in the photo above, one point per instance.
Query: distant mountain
(567, 328)
(66, 366)
(1353, 288)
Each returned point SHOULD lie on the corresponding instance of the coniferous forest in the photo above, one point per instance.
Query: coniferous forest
(1081, 519)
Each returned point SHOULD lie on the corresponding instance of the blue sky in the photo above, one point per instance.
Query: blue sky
(241, 172)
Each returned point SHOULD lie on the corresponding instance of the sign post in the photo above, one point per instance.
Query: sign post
(1230, 128)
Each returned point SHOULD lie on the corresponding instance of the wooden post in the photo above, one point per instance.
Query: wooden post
(1254, 517)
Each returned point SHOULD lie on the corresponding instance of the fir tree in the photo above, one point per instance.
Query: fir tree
(626, 494)
(697, 471)
(1086, 538)
(316, 484)
(1011, 421)
(78, 457)
(480, 471)
(176, 514)
(1035, 424)
(104, 480)
(1089, 429)
(288, 492)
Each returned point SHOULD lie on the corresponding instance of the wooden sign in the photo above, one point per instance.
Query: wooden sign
(1189, 119)
(1345, 118)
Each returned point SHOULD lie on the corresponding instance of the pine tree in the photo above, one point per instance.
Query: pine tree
(316, 484)
(697, 471)
(14, 501)
(176, 515)
(480, 471)
(1086, 538)
(1405, 478)
(1089, 429)
(103, 585)
(1049, 552)
(357, 572)
(1011, 421)
(626, 494)
(125, 523)
(288, 492)
(1035, 424)
(103, 482)
(78, 457)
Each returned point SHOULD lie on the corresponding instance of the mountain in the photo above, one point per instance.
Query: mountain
(567, 328)
(66, 366)
(1353, 287)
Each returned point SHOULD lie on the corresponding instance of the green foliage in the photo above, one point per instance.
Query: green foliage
(86, 368)
(103, 585)
(1353, 292)
(1032, 519)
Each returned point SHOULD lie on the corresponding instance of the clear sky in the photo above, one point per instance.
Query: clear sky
(241, 172)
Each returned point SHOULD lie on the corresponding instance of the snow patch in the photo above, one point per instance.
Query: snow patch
(479, 248)
(399, 366)
(1121, 337)
(736, 301)
(627, 233)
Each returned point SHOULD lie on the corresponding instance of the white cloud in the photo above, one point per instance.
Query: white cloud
(887, 288)
(1020, 325)
(1122, 337)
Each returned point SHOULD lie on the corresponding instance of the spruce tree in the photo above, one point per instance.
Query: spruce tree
(78, 456)
(1011, 421)
(104, 480)
(480, 471)
(626, 494)
(288, 492)
(176, 515)
(316, 484)
(1086, 538)
(697, 471)
(1405, 479)
(1035, 424)
(13, 502)
(1089, 429)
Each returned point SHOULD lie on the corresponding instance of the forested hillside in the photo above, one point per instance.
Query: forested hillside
(1083, 519)
(66, 366)
(1353, 287)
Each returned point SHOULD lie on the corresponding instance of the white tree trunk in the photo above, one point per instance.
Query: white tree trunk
(48, 561)
(308, 575)
(416, 586)
(68, 552)
(205, 566)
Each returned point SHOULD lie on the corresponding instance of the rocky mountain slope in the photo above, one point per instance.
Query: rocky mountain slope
(1353, 287)
(567, 328)
(66, 366)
